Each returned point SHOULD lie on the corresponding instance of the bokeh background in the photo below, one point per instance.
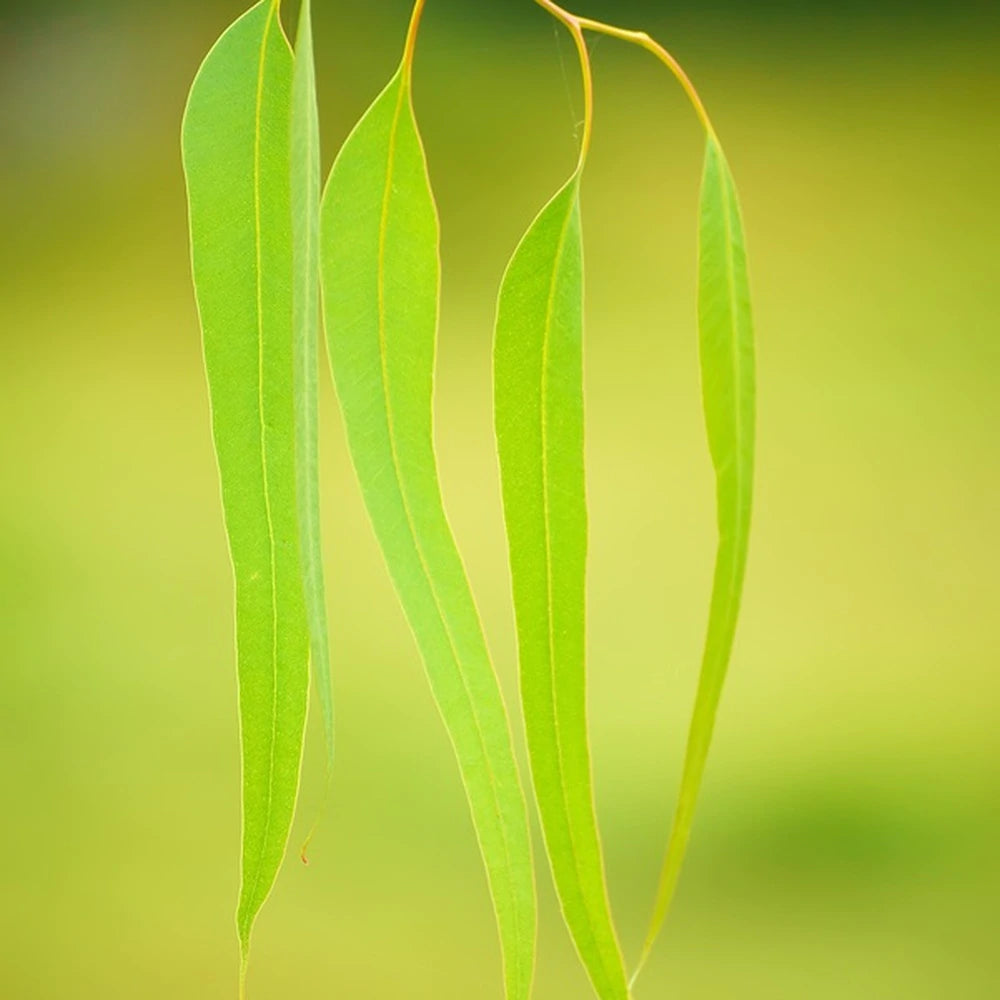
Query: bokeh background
(847, 846)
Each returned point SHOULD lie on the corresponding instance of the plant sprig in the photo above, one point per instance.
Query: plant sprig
(262, 238)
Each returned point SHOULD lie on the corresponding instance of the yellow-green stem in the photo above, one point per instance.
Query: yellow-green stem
(411, 39)
(580, 24)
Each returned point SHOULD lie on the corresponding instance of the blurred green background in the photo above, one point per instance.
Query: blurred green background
(847, 843)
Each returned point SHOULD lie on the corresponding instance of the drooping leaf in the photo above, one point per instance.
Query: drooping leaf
(380, 277)
(538, 373)
(236, 138)
(729, 392)
(305, 182)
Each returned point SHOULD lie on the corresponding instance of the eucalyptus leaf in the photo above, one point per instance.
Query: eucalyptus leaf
(236, 139)
(729, 392)
(380, 276)
(305, 188)
(538, 393)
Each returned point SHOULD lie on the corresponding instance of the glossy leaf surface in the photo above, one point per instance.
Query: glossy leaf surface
(729, 392)
(380, 268)
(538, 372)
(236, 139)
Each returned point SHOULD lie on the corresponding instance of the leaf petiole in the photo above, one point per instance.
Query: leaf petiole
(575, 26)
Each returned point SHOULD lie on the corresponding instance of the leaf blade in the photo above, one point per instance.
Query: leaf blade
(380, 270)
(727, 358)
(538, 393)
(235, 142)
(305, 197)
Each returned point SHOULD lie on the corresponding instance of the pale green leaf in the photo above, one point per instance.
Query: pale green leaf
(305, 181)
(538, 371)
(236, 138)
(380, 275)
(729, 391)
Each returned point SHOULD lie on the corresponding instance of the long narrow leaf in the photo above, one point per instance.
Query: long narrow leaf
(236, 139)
(305, 181)
(538, 372)
(729, 391)
(380, 271)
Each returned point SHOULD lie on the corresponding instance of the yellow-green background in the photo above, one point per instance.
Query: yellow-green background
(847, 846)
